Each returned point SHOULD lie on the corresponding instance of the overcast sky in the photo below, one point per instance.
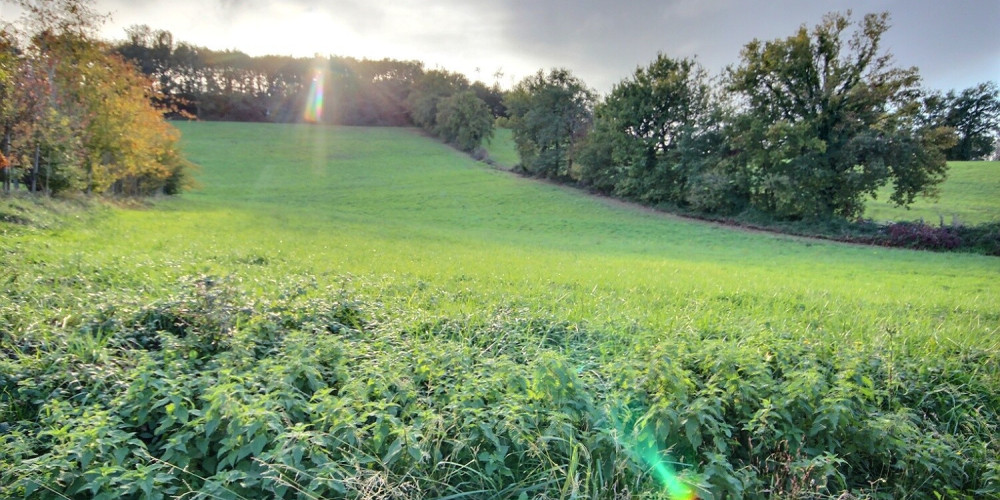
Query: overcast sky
(954, 43)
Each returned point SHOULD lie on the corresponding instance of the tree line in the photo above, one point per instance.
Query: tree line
(805, 127)
(231, 85)
(74, 116)
(81, 114)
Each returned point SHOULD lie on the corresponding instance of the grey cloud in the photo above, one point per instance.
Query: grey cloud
(950, 42)
(603, 41)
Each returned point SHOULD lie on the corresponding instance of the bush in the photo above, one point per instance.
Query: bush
(464, 120)
(982, 238)
(919, 236)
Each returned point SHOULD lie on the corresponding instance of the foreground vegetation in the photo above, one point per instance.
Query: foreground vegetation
(366, 313)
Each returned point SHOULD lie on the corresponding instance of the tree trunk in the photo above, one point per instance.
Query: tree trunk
(34, 169)
(48, 178)
(5, 150)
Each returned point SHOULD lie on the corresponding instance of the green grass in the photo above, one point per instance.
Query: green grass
(970, 195)
(362, 201)
(381, 300)
(502, 149)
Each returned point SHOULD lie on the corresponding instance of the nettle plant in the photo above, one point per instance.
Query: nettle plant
(212, 393)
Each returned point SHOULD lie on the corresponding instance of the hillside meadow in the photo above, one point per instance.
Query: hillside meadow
(364, 312)
(969, 195)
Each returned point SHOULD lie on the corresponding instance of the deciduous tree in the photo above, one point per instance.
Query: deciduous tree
(974, 113)
(82, 117)
(428, 91)
(550, 114)
(829, 119)
(648, 126)
(464, 120)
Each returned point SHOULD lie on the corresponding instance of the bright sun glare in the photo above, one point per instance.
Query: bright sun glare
(314, 102)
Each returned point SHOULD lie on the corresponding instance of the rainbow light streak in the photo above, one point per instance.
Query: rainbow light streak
(314, 102)
(663, 472)
(649, 452)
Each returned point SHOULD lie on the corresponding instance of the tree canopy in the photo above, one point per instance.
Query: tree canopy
(646, 130)
(549, 115)
(464, 120)
(974, 113)
(231, 85)
(828, 120)
(75, 116)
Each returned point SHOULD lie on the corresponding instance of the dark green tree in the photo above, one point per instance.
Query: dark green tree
(828, 120)
(974, 114)
(464, 120)
(649, 129)
(549, 115)
(492, 96)
(428, 90)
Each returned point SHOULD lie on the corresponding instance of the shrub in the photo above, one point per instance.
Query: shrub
(919, 236)
(982, 238)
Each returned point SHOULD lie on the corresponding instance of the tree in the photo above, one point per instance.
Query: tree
(647, 127)
(549, 115)
(492, 96)
(82, 116)
(10, 68)
(430, 89)
(974, 114)
(464, 120)
(822, 130)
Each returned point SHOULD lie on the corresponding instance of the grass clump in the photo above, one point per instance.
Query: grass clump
(26, 212)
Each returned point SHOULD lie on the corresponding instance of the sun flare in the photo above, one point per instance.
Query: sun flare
(314, 102)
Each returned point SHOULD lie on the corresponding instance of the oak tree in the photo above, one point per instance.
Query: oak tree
(828, 120)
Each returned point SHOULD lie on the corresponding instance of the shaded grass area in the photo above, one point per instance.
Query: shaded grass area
(963, 218)
(22, 212)
(364, 313)
(502, 148)
(970, 195)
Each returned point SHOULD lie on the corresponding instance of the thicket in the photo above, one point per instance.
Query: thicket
(445, 105)
(214, 393)
(74, 116)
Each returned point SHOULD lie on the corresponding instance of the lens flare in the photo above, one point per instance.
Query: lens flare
(664, 473)
(643, 447)
(314, 101)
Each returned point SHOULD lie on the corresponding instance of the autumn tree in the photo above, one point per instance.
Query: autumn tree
(10, 68)
(82, 116)
(828, 120)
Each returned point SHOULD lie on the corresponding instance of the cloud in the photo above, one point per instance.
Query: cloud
(602, 41)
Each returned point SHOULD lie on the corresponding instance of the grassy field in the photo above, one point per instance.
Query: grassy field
(502, 149)
(970, 195)
(357, 312)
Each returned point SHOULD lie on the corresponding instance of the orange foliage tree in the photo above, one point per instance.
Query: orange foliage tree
(75, 115)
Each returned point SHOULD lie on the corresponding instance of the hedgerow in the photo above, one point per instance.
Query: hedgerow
(213, 393)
